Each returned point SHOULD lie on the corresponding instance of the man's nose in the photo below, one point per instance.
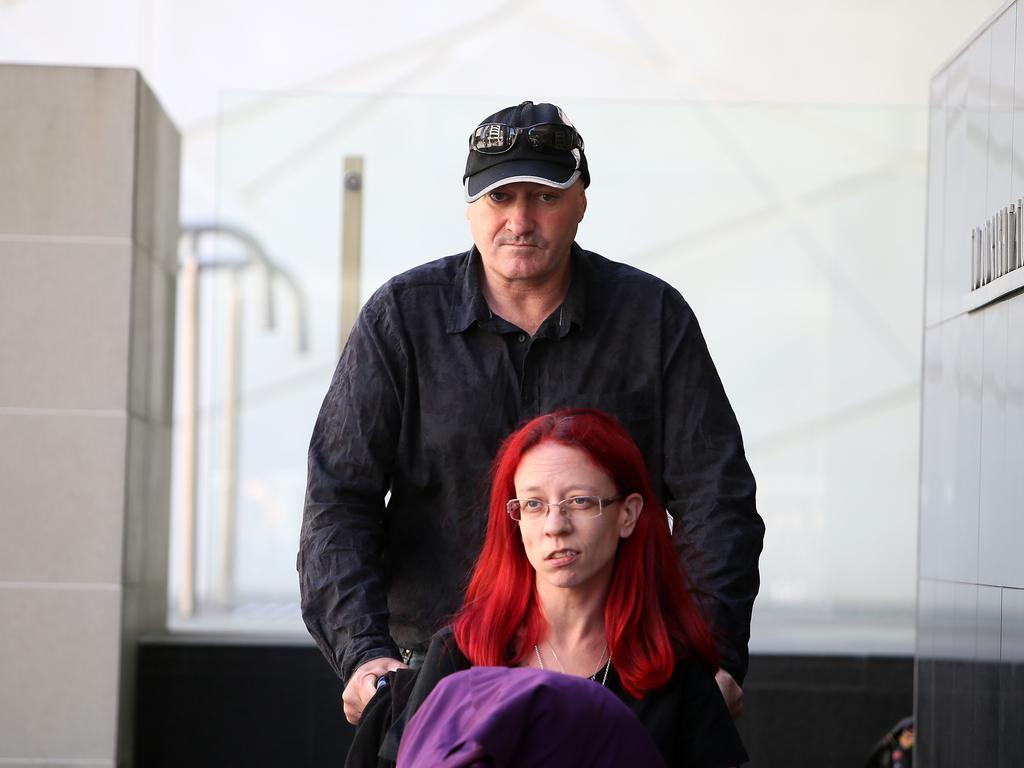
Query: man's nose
(520, 219)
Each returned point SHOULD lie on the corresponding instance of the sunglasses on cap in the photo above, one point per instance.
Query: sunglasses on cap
(495, 138)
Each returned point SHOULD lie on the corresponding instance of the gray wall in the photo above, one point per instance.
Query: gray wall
(89, 167)
(970, 626)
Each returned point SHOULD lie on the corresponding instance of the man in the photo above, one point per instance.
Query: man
(446, 359)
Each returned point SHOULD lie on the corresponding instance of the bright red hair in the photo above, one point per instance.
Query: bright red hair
(650, 618)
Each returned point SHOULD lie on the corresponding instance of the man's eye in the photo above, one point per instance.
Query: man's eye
(547, 197)
(498, 197)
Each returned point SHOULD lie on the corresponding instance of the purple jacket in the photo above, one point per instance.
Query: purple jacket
(500, 716)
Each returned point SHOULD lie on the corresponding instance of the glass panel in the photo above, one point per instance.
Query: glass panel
(796, 233)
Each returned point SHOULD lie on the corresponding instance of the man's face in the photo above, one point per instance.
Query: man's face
(524, 231)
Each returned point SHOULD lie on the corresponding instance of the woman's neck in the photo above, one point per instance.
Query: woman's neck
(575, 639)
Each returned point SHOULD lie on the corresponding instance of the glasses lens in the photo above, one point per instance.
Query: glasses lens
(514, 510)
(492, 138)
(552, 137)
(582, 506)
(527, 509)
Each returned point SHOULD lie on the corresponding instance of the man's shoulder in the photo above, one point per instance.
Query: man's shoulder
(418, 289)
(606, 270)
(438, 273)
(606, 274)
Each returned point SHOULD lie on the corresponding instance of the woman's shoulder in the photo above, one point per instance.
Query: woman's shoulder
(443, 658)
(444, 650)
(688, 719)
(444, 634)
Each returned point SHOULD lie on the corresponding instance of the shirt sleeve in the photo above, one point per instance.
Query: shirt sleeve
(710, 487)
(343, 537)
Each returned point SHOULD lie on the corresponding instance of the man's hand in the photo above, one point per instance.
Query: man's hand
(363, 684)
(731, 692)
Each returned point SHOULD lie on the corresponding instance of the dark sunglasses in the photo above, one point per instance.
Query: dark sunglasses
(495, 138)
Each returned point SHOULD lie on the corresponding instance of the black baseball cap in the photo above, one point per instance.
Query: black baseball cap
(551, 154)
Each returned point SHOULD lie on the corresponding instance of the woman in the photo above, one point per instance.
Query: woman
(578, 575)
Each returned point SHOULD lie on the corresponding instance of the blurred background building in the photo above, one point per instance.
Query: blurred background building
(771, 160)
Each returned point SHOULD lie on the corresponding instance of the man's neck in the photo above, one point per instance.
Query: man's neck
(525, 305)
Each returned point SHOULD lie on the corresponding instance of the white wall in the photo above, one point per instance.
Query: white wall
(88, 234)
(971, 574)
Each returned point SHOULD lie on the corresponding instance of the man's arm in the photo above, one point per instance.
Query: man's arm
(351, 453)
(710, 487)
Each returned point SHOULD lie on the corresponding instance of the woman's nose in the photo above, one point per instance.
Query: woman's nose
(556, 521)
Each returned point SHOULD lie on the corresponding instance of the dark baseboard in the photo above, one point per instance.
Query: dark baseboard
(222, 704)
(822, 710)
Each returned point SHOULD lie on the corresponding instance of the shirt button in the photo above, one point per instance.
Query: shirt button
(522, 337)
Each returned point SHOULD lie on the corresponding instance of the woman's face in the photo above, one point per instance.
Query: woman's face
(569, 551)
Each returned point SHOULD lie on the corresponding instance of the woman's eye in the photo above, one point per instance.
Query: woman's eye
(533, 504)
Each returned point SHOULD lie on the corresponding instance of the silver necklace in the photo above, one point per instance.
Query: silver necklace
(604, 677)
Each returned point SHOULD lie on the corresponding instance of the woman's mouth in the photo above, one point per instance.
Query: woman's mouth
(561, 557)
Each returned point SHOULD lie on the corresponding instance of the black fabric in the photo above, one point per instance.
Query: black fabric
(424, 392)
(687, 718)
(378, 716)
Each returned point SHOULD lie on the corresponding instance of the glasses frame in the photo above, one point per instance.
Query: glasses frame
(601, 504)
(510, 135)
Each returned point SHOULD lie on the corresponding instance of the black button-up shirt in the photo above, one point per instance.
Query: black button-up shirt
(429, 384)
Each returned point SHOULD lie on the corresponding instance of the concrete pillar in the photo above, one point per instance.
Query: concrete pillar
(89, 167)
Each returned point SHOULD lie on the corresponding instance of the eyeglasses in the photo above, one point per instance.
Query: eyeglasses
(577, 507)
(495, 138)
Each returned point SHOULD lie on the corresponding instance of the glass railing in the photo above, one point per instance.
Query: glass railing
(795, 232)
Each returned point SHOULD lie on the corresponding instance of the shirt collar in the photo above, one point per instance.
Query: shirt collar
(469, 306)
(572, 310)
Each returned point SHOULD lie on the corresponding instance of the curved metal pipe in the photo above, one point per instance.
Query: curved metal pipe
(190, 270)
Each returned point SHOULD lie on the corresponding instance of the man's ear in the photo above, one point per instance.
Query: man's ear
(632, 506)
(583, 210)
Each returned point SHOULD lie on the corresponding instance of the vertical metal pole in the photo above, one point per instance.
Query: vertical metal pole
(1018, 246)
(1011, 238)
(229, 457)
(974, 258)
(351, 245)
(1002, 241)
(189, 433)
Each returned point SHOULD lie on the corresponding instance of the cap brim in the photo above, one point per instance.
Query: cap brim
(536, 171)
